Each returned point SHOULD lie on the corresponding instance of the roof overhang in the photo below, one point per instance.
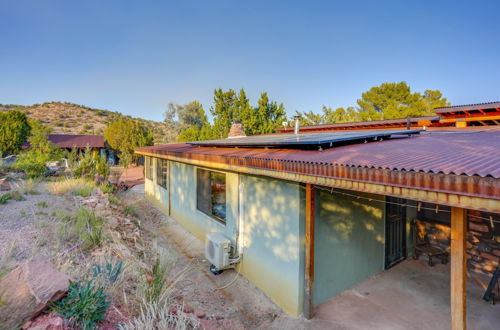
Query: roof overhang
(471, 192)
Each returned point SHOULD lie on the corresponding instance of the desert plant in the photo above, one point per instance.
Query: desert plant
(158, 315)
(16, 195)
(84, 307)
(4, 198)
(130, 210)
(42, 204)
(78, 186)
(108, 270)
(28, 187)
(113, 199)
(91, 227)
(154, 282)
(108, 188)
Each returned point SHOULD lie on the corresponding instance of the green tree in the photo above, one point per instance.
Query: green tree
(395, 100)
(191, 120)
(14, 130)
(33, 162)
(267, 116)
(127, 134)
(340, 115)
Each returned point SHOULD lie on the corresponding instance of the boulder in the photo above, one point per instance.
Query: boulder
(4, 185)
(27, 289)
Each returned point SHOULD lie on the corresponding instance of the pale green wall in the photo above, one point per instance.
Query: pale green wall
(273, 254)
(349, 242)
(183, 203)
(273, 229)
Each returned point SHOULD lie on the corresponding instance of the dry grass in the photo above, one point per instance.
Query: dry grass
(79, 186)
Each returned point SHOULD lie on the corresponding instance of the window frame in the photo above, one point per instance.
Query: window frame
(206, 205)
(149, 168)
(162, 172)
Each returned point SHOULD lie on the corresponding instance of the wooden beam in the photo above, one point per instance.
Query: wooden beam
(458, 280)
(309, 246)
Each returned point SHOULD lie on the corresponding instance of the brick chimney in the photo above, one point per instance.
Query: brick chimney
(236, 131)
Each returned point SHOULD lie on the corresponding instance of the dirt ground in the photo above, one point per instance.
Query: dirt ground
(229, 297)
(21, 221)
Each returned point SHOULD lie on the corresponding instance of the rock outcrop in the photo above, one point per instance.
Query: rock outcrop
(27, 289)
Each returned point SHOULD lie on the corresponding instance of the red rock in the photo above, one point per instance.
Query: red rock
(28, 289)
(200, 314)
(4, 185)
(188, 309)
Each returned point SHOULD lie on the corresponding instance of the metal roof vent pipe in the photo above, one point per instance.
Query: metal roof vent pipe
(236, 131)
(297, 124)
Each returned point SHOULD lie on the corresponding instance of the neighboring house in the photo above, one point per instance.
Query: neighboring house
(312, 215)
(81, 142)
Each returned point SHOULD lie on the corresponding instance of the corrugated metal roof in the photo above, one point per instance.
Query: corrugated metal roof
(76, 140)
(471, 153)
(373, 123)
(466, 107)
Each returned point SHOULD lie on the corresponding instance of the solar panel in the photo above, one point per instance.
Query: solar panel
(304, 141)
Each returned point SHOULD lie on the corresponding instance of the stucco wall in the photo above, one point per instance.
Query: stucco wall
(273, 240)
(349, 242)
(183, 203)
(155, 193)
(272, 232)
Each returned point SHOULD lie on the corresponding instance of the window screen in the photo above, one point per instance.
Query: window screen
(211, 194)
(161, 172)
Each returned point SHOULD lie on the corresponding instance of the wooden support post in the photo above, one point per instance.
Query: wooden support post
(309, 246)
(458, 281)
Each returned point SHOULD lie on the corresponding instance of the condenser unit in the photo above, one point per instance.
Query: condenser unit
(218, 250)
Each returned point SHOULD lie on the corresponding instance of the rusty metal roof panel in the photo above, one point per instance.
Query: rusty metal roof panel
(76, 140)
(468, 107)
(372, 123)
(470, 153)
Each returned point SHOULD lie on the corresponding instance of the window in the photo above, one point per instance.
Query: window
(161, 172)
(148, 167)
(211, 194)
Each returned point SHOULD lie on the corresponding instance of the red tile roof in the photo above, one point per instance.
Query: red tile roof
(76, 140)
(471, 153)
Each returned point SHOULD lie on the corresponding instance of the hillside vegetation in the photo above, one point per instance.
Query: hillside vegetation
(69, 118)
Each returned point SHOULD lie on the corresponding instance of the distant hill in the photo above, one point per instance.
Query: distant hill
(70, 118)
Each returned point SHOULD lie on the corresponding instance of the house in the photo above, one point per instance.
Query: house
(81, 142)
(311, 215)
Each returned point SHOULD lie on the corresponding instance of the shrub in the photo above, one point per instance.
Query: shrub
(41, 151)
(130, 210)
(113, 199)
(108, 188)
(109, 271)
(91, 164)
(91, 227)
(84, 306)
(16, 195)
(79, 186)
(5, 198)
(153, 287)
(42, 204)
(157, 315)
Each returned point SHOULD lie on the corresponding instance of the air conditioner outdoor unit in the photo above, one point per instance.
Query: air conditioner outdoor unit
(218, 250)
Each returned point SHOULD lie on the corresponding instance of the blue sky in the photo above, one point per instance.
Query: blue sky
(137, 56)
